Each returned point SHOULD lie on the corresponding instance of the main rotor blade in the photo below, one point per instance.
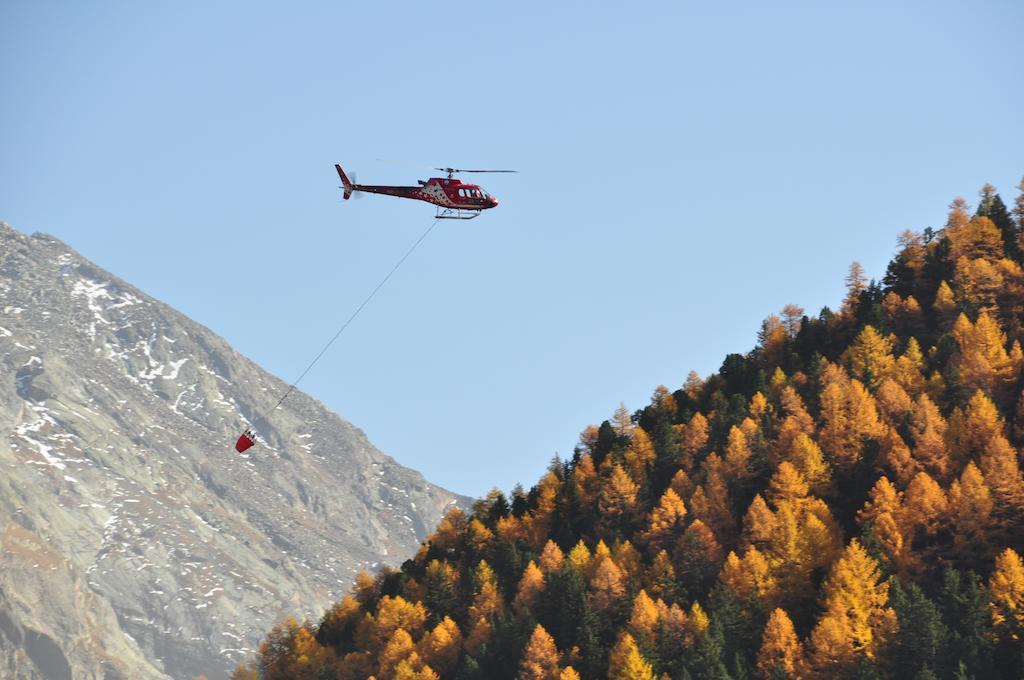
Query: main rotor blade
(417, 165)
(461, 170)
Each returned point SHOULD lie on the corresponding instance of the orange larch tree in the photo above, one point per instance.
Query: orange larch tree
(531, 585)
(772, 341)
(925, 506)
(856, 620)
(970, 506)
(805, 537)
(909, 370)
(551, 558)
(1002, 473)
(849, 416)
(626, 663)
(537, 522)
(870, 359)
(629, 561)
(397, 649)
(710, 501)
(394, 613)
(643, 622)
(1006, 590)
(894, 404)
(487, 606)
(681, 484)
(698, 556)
(759, 407)
(639, 455)
(856, 283)
(666, 523)
(447, 536)
(540, 658)
(894, 457)
(925, 513)
(973, 238)
(750, 577)
(737, 454)
(982, 362)
(617, 498)
(787, 484)
(479, 536)
(945, 306)
(928, 431)
(622, 421)
(879, 514)
(796, 421)
(608, 587)
(413, 668)
(693, 438)
(972, 429)
(587, 480)
(977, 284)
(580, 558)
(441, 646)
(781, 650)
(661, 576)
(366, 587)
(758, 524)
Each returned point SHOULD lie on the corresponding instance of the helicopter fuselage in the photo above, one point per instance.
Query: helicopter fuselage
(443, 192)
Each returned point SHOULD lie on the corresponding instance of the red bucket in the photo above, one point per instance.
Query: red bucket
(244, 443)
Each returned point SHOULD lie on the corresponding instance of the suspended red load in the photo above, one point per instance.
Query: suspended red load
(245, 441)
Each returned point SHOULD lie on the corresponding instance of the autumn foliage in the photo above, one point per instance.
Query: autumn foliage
(846, 500)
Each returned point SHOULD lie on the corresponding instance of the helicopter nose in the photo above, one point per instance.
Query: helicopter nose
(494, 201)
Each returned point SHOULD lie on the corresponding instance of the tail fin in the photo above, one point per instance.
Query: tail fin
(346, 185)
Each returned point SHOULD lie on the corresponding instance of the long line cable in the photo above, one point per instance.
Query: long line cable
(365, 302)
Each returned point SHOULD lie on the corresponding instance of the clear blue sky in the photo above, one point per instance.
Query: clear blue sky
(687, 169)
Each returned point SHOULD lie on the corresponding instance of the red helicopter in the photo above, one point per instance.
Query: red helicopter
(454, 199)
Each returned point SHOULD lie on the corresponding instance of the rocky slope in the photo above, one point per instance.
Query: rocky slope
(134, 542)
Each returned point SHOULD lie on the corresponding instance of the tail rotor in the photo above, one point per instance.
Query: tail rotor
(348, 186)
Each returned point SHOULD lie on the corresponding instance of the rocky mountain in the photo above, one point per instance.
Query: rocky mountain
(134, 541)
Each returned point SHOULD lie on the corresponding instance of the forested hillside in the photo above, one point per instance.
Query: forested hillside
(845, 500)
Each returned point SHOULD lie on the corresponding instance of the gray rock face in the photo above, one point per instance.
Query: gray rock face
(134, 541)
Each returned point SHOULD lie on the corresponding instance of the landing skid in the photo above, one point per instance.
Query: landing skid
(456, 214)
